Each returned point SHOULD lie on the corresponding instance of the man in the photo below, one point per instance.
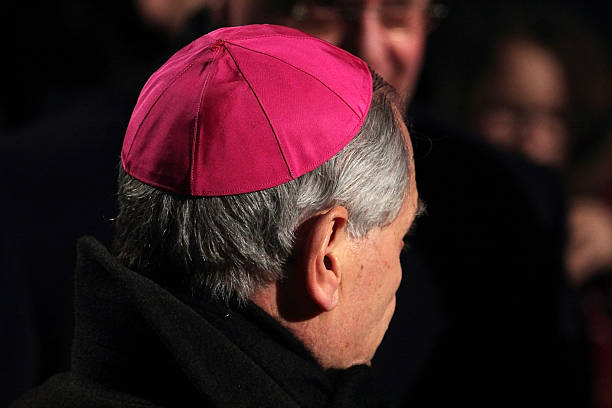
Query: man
(265, 189)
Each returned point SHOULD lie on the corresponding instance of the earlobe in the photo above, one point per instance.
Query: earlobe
(325, 251)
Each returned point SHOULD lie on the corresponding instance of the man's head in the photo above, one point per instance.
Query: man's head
(314, 241)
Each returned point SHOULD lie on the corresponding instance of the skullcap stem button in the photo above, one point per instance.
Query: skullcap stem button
(216, 45)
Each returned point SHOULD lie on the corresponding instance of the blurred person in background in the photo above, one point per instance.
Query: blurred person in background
(391, 35)
(539, 86)
(525, 102)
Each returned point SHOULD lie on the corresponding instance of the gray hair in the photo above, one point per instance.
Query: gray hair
(226, 247)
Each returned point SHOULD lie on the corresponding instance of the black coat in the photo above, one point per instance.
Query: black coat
(136, 344)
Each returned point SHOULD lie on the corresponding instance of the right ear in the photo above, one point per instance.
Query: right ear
(325, 253)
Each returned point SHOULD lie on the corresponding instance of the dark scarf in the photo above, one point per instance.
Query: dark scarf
(135, 342)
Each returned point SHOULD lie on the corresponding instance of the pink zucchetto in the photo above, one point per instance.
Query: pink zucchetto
(243, 109)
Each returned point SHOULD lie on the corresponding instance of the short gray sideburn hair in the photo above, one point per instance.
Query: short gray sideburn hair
(226, 247)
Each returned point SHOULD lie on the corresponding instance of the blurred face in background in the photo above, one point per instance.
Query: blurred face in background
(521, 104)
(388, 34)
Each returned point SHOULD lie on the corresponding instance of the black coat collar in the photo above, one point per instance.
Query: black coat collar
(134, 337)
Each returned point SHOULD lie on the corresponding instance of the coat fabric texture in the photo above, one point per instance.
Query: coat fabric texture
(138, 345)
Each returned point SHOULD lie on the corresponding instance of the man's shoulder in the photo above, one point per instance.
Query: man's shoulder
(132, 334)
(138, 345)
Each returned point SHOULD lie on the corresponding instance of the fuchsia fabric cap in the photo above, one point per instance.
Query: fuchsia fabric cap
(244, 109)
